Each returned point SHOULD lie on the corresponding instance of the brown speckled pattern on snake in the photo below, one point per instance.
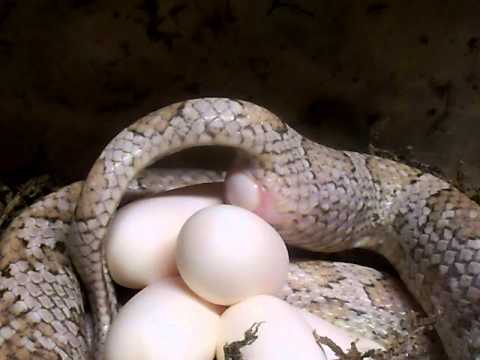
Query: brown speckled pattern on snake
(331, 200)
(361, 300)
(41, 307)
(379, 311)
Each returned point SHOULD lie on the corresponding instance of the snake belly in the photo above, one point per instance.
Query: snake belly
(331, 200)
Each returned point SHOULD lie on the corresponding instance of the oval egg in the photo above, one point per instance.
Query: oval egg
(226, 254)
(140, 244)
(283, 334)
(164, 321)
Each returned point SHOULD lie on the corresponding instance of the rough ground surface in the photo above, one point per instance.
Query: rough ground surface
(401, 75)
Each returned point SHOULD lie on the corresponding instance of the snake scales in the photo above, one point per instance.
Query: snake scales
(317, 198)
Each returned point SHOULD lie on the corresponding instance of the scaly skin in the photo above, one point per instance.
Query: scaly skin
(363, 301)
(317, 197)
(326, 199)
(41, 307)
(42, 311)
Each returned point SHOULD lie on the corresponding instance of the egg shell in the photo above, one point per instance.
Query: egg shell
(226, 254)
(340, 336)
(283, 335)
(140, 244)
(164, 321)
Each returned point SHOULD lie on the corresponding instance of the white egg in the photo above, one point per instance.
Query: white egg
(226, 254)
(140, 244)
(164, 321)
(282, 335)
(339, 336)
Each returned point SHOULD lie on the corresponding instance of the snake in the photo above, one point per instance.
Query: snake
(318, 198)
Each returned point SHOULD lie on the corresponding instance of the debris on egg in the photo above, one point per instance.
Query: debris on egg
(227, 254)
(140, 244)
(339, 336)
(164, 321)
(283, 334)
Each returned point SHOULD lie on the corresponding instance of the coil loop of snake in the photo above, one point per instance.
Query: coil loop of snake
(318, 198)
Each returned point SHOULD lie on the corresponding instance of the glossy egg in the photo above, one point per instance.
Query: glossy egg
(283, 334)
(164, 321)
(140, 244)
(226, 254)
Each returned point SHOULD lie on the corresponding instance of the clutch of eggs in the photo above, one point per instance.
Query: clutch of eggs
(226, 256)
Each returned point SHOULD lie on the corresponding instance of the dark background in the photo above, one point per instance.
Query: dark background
(402, 75)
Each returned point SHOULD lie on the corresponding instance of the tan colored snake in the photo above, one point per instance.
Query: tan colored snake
(317, 198)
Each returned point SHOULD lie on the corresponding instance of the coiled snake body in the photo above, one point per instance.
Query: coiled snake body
(318, 198)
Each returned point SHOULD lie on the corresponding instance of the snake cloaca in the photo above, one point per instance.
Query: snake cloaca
(318, 198)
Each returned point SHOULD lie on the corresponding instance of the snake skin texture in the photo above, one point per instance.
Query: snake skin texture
(41, 311)
(324, 199)
(363, 301)
(43, 314)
